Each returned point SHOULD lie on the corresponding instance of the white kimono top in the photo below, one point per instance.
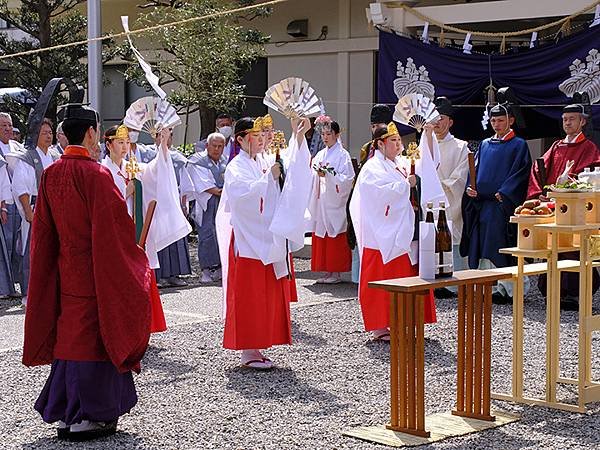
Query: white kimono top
(381, 212)
(453, 171)
(159, 183)
(267, 222)
(330, 193)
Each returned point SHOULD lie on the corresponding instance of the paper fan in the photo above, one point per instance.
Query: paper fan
(415, 110)
(151, 114)
(293, 97)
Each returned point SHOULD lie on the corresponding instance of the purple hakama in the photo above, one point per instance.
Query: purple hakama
(85, 390)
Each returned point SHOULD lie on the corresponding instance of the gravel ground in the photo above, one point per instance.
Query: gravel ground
(194, 395)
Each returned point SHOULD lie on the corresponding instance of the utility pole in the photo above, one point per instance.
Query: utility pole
(94, 19)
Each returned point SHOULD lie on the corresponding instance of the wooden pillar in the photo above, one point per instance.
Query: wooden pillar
(474, 352)
(407, 358)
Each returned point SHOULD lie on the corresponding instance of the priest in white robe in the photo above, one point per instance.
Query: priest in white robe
(258, 225)
(384, 222)
(333, 176)
(27, 169)
(13, 222)
(453, 171)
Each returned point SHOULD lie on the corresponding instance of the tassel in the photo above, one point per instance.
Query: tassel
(442, 40)
(503, 45)
(566, 27)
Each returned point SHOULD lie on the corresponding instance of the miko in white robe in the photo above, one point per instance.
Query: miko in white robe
(383, 219)
(328, 220)
(159, 183)
(258, 225)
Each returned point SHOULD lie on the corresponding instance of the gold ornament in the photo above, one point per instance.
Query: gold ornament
(278, 143)
(132, 167)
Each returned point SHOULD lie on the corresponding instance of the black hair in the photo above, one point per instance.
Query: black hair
(75, 130)
(112, 131)
(224, 116)
(378, 135)
(375, 132)
(335, 127)
(243, 125)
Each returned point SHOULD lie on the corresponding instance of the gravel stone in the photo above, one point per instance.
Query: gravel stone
(194, 395)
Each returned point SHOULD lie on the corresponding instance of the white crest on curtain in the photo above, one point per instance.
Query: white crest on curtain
(585, 77)
(412, 80)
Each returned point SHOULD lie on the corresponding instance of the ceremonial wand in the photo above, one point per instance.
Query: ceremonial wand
(147, 222)
(472, 172)
(277, 144)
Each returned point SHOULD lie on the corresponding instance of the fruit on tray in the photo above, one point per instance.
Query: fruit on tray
(534, 208)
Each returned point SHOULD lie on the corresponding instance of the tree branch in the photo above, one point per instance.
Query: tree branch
(65, 7)
(8, 18)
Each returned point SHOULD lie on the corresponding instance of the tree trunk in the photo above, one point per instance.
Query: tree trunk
(187, 123)
(44, 11)
(207, 121)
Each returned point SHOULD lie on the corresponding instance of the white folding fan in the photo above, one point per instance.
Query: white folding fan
(293, 97)
(151, 114)
(415, 110)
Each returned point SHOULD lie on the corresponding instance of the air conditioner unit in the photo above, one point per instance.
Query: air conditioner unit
(298, 28)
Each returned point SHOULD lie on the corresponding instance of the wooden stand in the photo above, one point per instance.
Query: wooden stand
(570, 207)
(588, 390)
(407, 351)
(530, 237)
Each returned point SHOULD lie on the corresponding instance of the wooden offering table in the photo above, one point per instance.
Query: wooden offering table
(587, 239)
(407, 350)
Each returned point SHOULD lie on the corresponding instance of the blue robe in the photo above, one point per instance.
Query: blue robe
(504, 167)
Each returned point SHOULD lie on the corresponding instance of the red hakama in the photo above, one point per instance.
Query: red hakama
(157, 316)
(331, 254)
(375, 303)
(258, 309)
(292, 293)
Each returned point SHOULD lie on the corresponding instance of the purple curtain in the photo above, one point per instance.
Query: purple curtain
(540, 76)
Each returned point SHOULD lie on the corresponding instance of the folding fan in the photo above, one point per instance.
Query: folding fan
(151, 115)
(415, 110)
(293, 97)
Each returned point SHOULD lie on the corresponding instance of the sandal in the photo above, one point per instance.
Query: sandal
(385, 337)
(259, 364)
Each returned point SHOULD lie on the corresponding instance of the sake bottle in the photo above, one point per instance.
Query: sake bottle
(443, 245)
(429, 216)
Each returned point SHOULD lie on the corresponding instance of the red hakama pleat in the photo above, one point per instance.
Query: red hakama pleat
(258, 308)
(375, 303)
(157, 316)
(292, 291)
(331, 254)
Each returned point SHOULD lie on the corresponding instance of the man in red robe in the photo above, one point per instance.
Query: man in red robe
(574, 151)
(88, 311)
(566, 157)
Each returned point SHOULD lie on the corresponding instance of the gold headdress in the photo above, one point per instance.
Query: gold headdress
(258, 125)
(392, 130)
(267, 121)
(121, 133)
